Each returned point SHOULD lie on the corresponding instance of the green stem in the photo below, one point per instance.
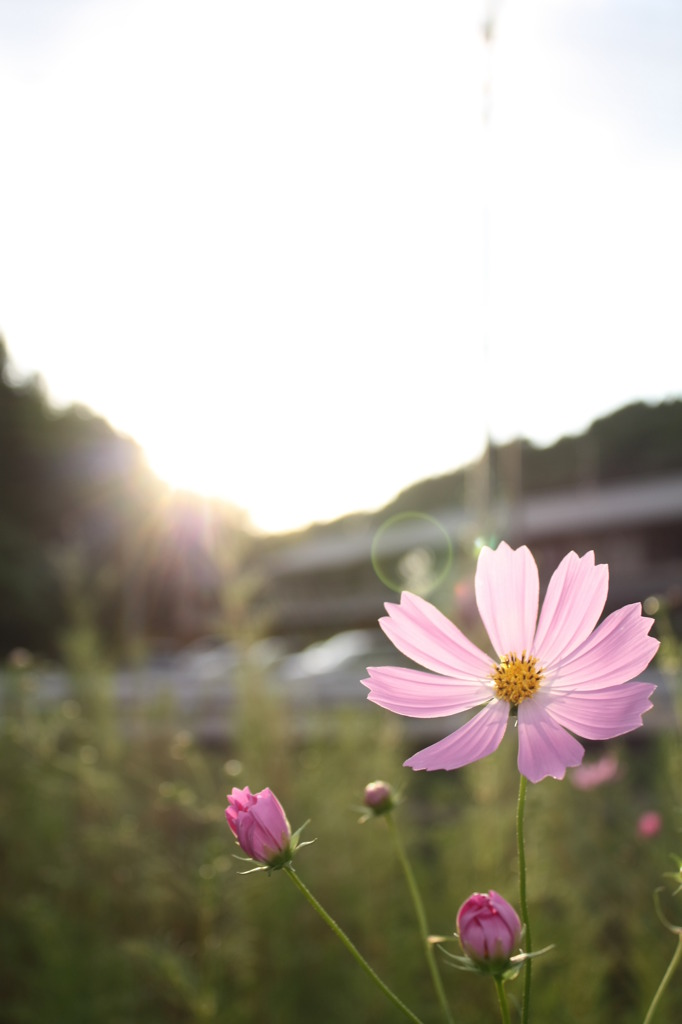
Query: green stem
(421, 917)
(677, 956)
(502, 998)
(523, 899)
(349, 945)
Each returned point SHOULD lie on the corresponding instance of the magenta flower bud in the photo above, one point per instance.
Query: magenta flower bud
(260, 826)
(489, 929)
(379, 797)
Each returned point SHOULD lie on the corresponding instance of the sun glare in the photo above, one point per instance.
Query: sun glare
(192, 465)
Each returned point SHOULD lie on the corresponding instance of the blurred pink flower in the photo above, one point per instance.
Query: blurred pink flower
(649, 824)
(489, 928)
(589, 776)
(552, 674)
(260, 826)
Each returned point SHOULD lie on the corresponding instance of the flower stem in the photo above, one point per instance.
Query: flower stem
(523, 899)
(421, 916)
(349, 945)
(502, 998)
(677, 956)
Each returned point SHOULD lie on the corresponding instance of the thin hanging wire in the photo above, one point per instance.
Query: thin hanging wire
(484, 483)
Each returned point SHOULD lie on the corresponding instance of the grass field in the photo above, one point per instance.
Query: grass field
(121, 900)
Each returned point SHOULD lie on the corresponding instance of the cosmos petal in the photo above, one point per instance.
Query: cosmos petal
(269, 814)
(481, 735)
(406, 691)
(575, 599)
(507, 594)
(602, 714)
(423, 634)
(545, 748)
(618, 650)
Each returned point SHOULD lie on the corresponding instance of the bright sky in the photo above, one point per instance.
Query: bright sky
(251, 235)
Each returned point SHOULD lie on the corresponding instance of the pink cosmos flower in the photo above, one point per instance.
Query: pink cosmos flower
(590, 776)
(260, 826)
(489, 928)
(553, 674)
(649, 824)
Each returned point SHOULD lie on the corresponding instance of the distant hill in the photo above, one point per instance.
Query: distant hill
(89, 535)
(637, 440)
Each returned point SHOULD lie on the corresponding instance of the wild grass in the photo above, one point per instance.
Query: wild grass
(121, 900)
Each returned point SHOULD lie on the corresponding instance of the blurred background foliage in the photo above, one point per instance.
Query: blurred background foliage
(121, 900)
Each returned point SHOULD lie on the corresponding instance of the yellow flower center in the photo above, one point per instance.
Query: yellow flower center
(517, 678)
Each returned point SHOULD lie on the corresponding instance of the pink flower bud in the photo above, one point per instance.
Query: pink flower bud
(379, 797)
(260, 826)
(489, 929)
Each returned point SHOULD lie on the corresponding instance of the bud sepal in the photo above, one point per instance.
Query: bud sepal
(282, 859)
(505, 972)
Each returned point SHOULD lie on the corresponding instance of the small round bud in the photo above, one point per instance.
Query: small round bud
(379, 797)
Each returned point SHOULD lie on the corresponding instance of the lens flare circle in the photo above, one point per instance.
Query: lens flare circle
(412, 551)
